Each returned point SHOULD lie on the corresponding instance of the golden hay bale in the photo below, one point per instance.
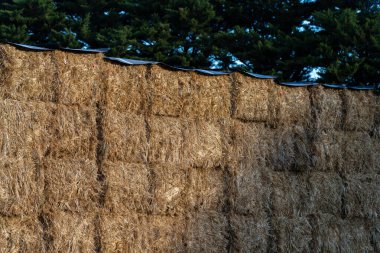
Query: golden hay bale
(326, 190)
(166, 140)
(291, 149)
(21, 187)
(251, 143)
(24, 128)
(293, 235)
(362, 196)
(328, 151)
(78, 76)
(207, 97)
(252, 190)
(165, 234)
(207, 189)
(289, 106)
(358, 155)
(21, 234)
(251, 233)
(124, 87)
(170, 189)
(288, 193)
(327, 108)
(203, 145)
(125, 137)
(71, 185)
(206, 232)
(165, 90)
(71, 232)
(128, 186)
(250, 101)
(123, 232)
(73, 132)
(359, 109)
(27, 75)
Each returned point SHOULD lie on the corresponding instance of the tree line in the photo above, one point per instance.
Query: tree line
(332, 41)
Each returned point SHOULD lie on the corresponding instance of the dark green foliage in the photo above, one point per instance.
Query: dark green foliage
(288, 38)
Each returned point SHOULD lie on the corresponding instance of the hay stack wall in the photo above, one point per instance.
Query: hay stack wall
(101, 157)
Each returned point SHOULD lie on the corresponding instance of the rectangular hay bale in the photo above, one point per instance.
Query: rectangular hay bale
(21, 187)
(327, 108)
(207, 232)
(203, 144)
(79, 81)
(325, 196)
(170, 189)
(125, 137)
(207, 97)
(27, 75)
(166, 140)
(360, 110)
(207, 189)
(362, 196)
(252, 233)
(71, 185)
(25, 128)
(327, 151)
(128, 187)
(71, 232)
(293, 235)
(124, 87)
(165, 90)
(74, 132)
(251, 98)
(289, 106)
(21, 234)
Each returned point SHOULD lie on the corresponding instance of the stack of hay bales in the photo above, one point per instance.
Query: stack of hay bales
(100, 157)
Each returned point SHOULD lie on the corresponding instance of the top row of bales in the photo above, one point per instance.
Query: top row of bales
(86, 79)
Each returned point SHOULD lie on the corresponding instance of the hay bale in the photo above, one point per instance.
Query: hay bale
(376, 155)
(207, 189)
(128, 187)
(375, 234)
(170, 189)
(251, 143)
(327, 108)
(165, 90)
(21, 234)
(251, 98)
(125, 137)
(123, 232)
(327, 151)
(376, 129)
(166, 140)
(71, 185)
(289, 106)
(27, 75)
(293, 235)
(71, 232)
(358, 155)
(73, 132)
(252, 190)
(288, 193)
(251, 233)
(21, 187)
(355, 236)
(206, 232)
(203, 145)
(25, 128)
(360, 110)
(325, 196)
(207, 97)
(327, 233)
(291, 149)
(362, 197)
(165, 234)
(124, 87)
(79, 81)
